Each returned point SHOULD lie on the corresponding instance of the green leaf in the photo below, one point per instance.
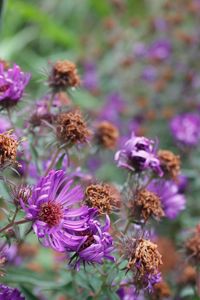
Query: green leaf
(27, 293)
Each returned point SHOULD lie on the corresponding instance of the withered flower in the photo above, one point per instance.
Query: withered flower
(161, 290)
(170, 163)
(63, 75)
(192, 247)
(71, 128)
(147, 204)
(106, 135)
(8, 149)
(104, 197)
(145, 257)
(188, 275)
(4, 63)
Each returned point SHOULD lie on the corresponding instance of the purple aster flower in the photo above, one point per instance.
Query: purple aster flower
(185, 129)
(12, 84)
(160, 50)
(172, 201)
(9, 293)
(138, 155)
(150, 280)
(97, 244)
(50, 209)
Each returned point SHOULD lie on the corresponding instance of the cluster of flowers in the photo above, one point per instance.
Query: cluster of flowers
(75, 221)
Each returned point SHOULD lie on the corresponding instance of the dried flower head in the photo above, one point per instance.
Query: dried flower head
(188, 275)
(147, 204)
(4, 63)
(71, 128)
(106, 135)
(8, 149)
(170, 257)
(161, 290)
(63, 75)
(104, 197)
(192, 247)
(145, 257)
(170, 163)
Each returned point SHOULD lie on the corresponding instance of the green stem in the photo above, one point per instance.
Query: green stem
(52, 162)
(14, 223)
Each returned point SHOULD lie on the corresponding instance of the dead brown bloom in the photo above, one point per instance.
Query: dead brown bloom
(161, 290)
(71, 128)
(170, 257)
(63, 75)
(146, 254)
(8, 149)
(192, 247)
(170, 163)
(4, 63)
(188, 275)
(106, 135)
(147, 204)
(104, 197)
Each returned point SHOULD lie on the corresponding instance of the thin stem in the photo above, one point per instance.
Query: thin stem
(10, 118)
(52, 162)
(127, 226)
(14, 223)
(15, 214)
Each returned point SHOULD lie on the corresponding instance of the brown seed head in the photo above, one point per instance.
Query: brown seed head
(192, 247)
(106, 135)
(146, 255)
(4, 63)
(8, 149)
(161, 290)
(63, 75)
(27, 250)
(170, 163)
(188, 275)
(104, 197)
(147, 204)
(170, 257)
(71, 128)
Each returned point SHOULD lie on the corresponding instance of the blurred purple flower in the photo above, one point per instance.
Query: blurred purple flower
(138, 155)
(12, 84)
(185, 129)
(4, 124)
(129, 293)
(139, 49)
(112, 108)
(150, 74)
(9, 293)
(160, 49)
(172, 201)
(160, 24)
(90, 77)
(55, 221)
